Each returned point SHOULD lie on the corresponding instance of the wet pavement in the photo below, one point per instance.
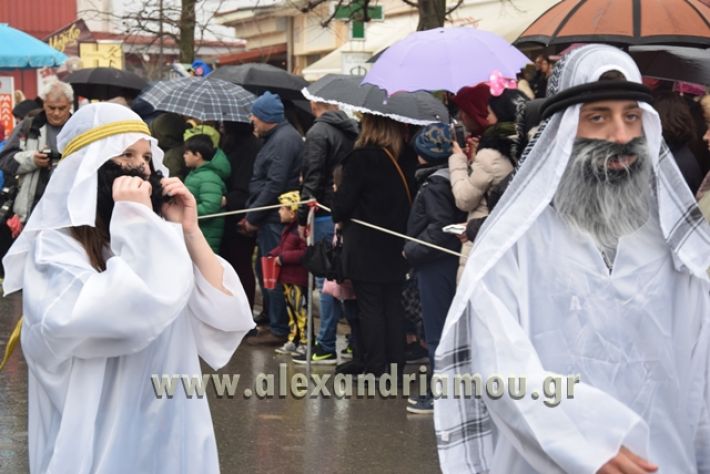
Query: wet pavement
(265, 434)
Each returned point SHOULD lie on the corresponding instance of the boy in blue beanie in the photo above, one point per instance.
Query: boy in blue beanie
(434, 208)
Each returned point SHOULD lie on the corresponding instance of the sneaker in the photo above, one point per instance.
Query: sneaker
(415, 399)
(262, 319)
(414, 353)
(347, 353)
(424, 406)
(318, 357)
(288, 348)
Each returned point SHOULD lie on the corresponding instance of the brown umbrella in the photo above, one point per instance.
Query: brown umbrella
(622, 22)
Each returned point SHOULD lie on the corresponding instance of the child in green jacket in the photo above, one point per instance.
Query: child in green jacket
(207, 185)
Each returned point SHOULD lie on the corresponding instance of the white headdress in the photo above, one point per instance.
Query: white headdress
(91, 137)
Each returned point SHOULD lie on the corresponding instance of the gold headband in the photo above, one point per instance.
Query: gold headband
(103, 131)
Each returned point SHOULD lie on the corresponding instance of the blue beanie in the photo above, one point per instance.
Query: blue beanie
(268, 108)
(433, 142)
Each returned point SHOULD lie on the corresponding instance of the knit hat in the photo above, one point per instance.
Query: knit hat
(268, 108)
(203, 130)
(290, 200)
(474, 101)
(433, 142)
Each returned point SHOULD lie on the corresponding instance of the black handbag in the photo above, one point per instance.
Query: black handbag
(324, 259)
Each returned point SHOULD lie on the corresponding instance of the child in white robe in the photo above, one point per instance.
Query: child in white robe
(113, 308)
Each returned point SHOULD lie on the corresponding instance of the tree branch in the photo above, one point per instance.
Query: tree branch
(450, 10)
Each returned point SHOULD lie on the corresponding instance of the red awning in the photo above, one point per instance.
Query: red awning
(252, 55)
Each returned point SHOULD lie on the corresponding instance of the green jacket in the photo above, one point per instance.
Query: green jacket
(207, 184)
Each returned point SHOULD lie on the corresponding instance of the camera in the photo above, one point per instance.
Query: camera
(458, 133)
(54, 156)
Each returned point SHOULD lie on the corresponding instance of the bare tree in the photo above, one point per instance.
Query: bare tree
(164, 22)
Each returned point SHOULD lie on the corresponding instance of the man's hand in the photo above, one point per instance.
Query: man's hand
(247, 228)
(132, 189)
(182, 207)
(627, 462)
(40, 159)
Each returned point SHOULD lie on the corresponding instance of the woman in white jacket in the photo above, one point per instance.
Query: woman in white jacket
(117, 297)
(493, 160)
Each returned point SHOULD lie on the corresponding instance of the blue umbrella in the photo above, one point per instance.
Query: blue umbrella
(18, 50)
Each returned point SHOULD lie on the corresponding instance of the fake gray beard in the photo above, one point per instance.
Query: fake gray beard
(603, 202)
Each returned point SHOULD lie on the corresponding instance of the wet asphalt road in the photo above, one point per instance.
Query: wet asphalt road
(264, 435)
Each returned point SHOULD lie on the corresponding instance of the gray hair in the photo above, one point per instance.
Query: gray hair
(56, 88)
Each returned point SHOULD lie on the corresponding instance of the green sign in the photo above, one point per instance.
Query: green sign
(355, 13)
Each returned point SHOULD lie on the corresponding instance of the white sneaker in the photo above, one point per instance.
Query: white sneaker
(288, 348)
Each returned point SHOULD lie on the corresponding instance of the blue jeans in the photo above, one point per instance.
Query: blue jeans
(330, 308)
(437, 286)
(267, 238)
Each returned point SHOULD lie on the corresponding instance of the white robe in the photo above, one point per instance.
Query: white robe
(638, 338)
(93, 340)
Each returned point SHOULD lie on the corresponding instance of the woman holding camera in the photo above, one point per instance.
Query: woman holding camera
(493, 154)
(121, 295)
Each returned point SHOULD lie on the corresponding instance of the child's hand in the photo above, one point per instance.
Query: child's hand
(278, 261)
(182, 208)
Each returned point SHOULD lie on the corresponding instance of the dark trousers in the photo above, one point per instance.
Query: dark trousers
(350, 309)
(381, 325)
(238, 250)
(437, 286)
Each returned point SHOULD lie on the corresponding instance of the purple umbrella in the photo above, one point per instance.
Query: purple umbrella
(444, 59)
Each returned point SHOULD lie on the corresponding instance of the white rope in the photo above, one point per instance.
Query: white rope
(357, 221)
(397, 234)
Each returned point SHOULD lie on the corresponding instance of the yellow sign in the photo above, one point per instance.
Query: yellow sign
(104, 54)
(66, 37)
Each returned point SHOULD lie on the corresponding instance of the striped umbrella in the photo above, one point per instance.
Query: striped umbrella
(622, 22)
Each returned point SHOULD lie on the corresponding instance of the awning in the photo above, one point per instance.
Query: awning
(252, 55)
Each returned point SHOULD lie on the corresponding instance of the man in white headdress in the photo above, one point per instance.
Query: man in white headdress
(591, 266)
(119, 285)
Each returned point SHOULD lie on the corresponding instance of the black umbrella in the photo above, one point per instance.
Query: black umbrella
(417, 108)
(673, 63)
(261, 77)
(103, 83)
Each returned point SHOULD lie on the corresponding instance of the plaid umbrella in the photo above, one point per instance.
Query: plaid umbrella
(202, 99)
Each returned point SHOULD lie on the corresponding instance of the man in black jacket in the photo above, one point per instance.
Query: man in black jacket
(328, 141)
(275, 171)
